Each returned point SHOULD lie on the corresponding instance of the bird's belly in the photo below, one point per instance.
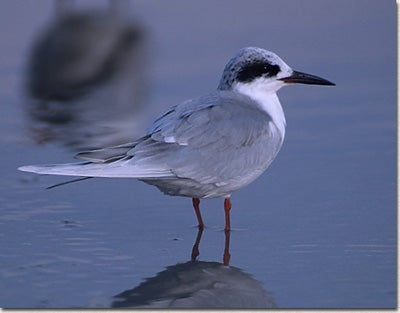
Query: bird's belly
(185, 187)
(219, 174)
(188, 187)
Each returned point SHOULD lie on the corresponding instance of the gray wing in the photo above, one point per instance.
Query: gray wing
(216, 121)
(219, 121)
(216, 139)
(221, 136)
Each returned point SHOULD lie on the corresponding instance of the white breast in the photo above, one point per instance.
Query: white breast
(265, 96)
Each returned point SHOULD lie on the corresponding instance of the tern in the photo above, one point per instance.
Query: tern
(206, 147)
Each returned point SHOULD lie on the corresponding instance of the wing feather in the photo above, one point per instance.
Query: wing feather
(217, 121)
(108, 154)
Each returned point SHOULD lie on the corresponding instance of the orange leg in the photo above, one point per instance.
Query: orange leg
(227, 207)
(196, 205)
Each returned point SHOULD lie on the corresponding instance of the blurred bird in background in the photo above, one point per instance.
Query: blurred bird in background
(86, 77)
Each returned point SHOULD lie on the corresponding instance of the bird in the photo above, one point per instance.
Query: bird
(206, 147)
(81, 50)
(83, 60)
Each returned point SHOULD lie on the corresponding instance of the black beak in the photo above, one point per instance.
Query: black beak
(303, 78)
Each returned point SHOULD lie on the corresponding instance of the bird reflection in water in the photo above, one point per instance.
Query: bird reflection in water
(86, 77)
(198, 284)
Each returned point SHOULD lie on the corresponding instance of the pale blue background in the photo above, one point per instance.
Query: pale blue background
(318, 229)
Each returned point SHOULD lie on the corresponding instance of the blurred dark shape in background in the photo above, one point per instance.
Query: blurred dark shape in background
(85, 73)
(79, 51)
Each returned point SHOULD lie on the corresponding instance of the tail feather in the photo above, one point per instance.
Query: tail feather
(120, 168)
(68, 182)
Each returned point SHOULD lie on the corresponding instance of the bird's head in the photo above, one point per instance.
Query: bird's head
(261, 69)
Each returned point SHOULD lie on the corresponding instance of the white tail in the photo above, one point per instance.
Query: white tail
(120, 168)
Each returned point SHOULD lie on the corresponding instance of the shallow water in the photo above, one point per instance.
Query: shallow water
(317, 230)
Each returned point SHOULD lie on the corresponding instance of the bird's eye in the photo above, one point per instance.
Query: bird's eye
(254, 70)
